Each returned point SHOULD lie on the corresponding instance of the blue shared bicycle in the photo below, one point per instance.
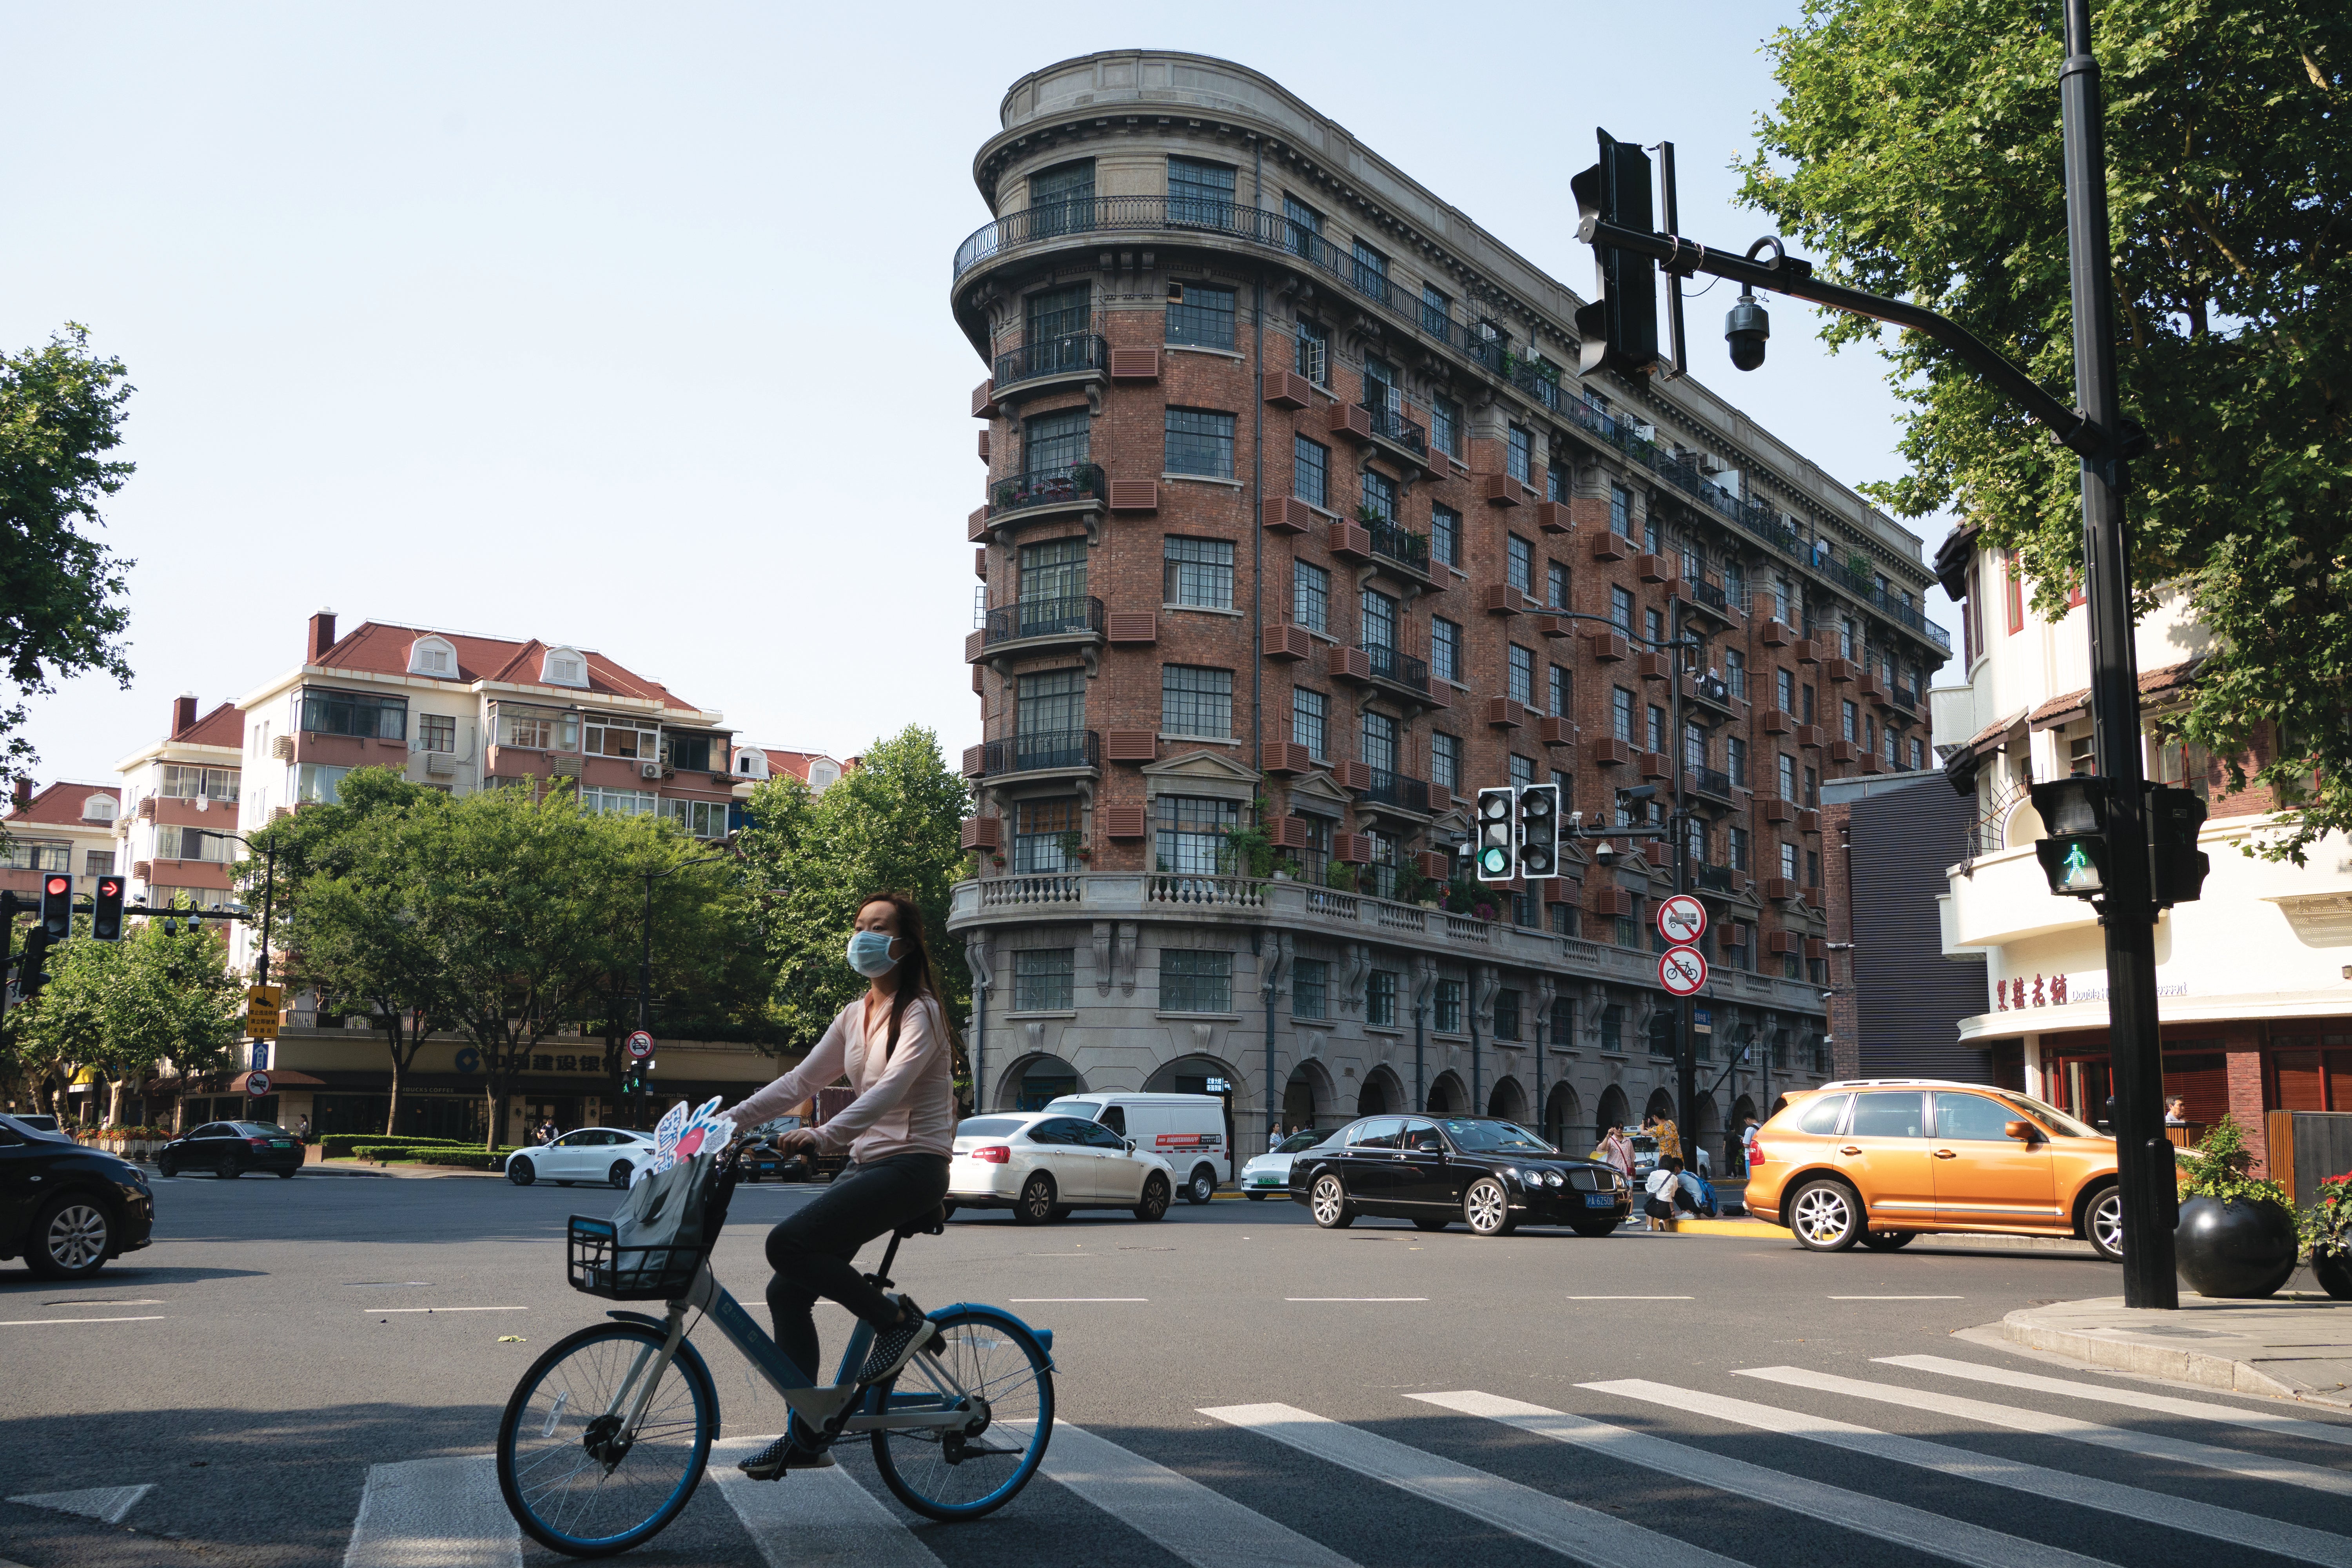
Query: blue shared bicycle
(604, 1439)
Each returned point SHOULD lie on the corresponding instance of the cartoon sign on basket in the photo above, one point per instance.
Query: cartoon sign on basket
(681, 1135)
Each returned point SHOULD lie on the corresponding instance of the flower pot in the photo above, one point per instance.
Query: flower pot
(2333, 1270)
(2236, 1250)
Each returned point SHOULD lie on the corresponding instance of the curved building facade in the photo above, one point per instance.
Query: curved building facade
(1293, 498)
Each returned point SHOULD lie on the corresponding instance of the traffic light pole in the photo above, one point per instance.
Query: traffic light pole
(1686, 1035)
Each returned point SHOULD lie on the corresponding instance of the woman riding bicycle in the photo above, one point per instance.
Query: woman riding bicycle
(898, 1049)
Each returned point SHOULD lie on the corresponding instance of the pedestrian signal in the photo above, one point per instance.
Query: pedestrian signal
(1494, 833)
(1620, 328)
(1538, 845)
(2073, 855)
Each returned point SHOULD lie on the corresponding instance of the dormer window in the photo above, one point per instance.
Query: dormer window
(564, 666)
(821, 775)
(99, 808)
(752, 763)
(433, 656)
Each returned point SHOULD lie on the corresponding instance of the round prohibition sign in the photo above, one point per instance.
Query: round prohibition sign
(1682, 970)
(1682, 919)
(257, 1084)
(641, 1045)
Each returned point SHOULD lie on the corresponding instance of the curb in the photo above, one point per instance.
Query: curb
(2170, 1362)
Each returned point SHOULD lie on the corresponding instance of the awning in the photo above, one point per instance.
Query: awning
(2061, 711)
(1952, 558)
(1992, 737)
(277, 1079)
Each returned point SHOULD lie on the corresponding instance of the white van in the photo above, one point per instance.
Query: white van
(1188, 1131)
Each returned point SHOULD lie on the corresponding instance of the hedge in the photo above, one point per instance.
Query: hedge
(338, 1145)
(429, 1153)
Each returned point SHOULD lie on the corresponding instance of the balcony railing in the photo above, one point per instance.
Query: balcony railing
(1389, 425)
(1712, 783)
(1043, 618)
(1711, 594)
(1401, 546)
(1435, 322)
(1069, 354)
(1396, 790)
(1398, 668)
(1051, 486)
(1906, 698)
(1713, 878)
(1039, 752)
(1710, 689)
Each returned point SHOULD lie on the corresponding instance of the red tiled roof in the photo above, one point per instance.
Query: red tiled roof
(381, 649)
(60, 804)
(2065, 709)
(797, 762)
(224, 726)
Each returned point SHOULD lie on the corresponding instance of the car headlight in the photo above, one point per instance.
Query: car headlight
(1554, 1179)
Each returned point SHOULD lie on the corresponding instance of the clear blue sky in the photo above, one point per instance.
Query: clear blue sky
(628, 326)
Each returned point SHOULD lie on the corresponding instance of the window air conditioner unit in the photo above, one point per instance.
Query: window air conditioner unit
(282, 748)
(649, 770)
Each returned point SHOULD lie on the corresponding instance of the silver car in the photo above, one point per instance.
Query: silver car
(1269, 1173)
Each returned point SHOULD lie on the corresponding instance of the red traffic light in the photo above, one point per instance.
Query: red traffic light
(107, 887)
(60, 886)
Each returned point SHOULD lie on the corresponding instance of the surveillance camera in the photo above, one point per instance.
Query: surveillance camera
(1576, 819)
(1745, 327)
(1604, 852)
(1828, 996)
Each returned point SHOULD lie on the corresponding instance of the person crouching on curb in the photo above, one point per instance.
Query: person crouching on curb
(1658, 1207)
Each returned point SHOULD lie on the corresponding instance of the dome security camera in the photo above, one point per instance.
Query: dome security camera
(1745, 328)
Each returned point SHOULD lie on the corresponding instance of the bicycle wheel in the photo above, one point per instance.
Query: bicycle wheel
(572, 1479)
(963, 1474)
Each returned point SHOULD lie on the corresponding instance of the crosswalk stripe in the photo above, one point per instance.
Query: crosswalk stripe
(1571, 1529)
(813, 1519)
(2065, 1486)
(2145, 1443)
(1899, 1523)
(433, 1513)
(1177, 1513)
(2137, 1399)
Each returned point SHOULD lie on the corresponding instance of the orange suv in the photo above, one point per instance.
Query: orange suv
(1880, 1162)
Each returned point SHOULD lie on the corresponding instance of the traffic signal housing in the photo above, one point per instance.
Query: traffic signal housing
(106, 909)
(1495, 828)
(2177, 867)
(1539, 836)
(56, 905)
(2073, 848)
(1619, 329)
(32, 965)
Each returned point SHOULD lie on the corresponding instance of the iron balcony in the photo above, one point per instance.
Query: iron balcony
(1078, 619)
(1051, 751)
(1072, 355)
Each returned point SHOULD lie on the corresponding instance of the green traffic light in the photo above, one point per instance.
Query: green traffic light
(2077, 872)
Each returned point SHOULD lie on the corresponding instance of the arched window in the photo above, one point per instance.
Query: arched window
(822, 773)
(431, 654)
(564, 666)
(99, 808)
(750, 762)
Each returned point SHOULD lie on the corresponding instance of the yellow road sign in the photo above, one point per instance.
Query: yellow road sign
(270, 996)
(260, 1023)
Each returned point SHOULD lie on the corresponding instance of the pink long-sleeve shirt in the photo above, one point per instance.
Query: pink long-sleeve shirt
(905, 1105)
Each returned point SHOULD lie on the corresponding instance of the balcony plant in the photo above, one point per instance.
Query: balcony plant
(1249, 851)
(2325, 1231)
(1340, 878)
(2237, 1234)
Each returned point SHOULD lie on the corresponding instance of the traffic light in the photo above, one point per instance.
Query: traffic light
(1495, 826)
(2177, 867)
(1619, 329)
(2073, 855)
(106, 910)
(1539, 843)
(56, 905)
(31, 966)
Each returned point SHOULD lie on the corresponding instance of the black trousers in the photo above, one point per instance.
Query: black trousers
(812, 1252)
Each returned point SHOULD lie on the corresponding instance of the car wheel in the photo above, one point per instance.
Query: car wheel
(947, 1211)
(285, 1175)
(1155, 1198)
(71, 1237)
(165, 1169)
(1255, 1197)
(1328, 1202)
(1825, 1217)
(230, 1169)
(2103, 1223)
(1035, 1203)
(1433, 1223)
(620, 1173)
(1888, 1240)
(1594, 1227)
(1061, 1213)
(1487, 1208)
(1201, 1187)
(520, 1173)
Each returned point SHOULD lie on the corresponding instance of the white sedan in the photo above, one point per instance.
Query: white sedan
(609, 1157)
(1270, 1172)
(1042, 1165)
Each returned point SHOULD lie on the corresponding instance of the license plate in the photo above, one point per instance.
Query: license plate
(1600, 1200)
(281, 1143)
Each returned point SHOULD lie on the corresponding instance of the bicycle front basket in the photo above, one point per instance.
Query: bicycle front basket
(601, 1266)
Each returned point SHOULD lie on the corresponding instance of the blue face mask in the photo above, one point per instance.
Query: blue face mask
(869, 953)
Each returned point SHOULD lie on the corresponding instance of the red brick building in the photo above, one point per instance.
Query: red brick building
(1292, 495)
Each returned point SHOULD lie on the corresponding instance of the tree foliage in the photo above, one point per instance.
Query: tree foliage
(1917, 149)
(890, 824)
(61, 610)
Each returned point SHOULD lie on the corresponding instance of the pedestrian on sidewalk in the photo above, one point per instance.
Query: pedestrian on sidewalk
(1616, 1148)
(1748, 1146)
(303, 1132)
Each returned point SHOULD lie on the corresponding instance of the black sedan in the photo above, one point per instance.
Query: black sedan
(231, 1148)
(1492, 1175)
(65, 1209)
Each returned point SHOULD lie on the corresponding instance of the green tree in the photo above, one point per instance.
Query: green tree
(891, 824)
(61, 610)
(1917, 149)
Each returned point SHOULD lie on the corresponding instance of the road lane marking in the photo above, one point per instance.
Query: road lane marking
(1175, 1512)
(45, 1323)
(433, 1513)
(107, 1504)
(445, 1309)
(2144, 1444)
(1355, 1298)
(1899, 1523)
(1898, 1298)
(1571, 1528)
(1633, 1297)
(814, 1518)
(105, 1301)
(2196, 1410)
(1066, 1301)
(1967, 1464)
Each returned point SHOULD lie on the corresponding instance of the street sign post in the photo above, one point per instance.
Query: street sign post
(640, 1044)
(1681, 970)
(1680, 919)
(257, 1084)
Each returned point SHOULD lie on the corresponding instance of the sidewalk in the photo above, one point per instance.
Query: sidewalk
(2295, 1346)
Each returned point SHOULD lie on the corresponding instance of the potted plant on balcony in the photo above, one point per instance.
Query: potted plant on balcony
(1340, 878)
(2325, 1231)
(2237, 1234)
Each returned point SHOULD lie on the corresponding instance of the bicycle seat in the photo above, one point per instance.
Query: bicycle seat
(931, 1223)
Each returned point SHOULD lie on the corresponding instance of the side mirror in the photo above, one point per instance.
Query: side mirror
(1130, 1146)
(2024, 1131)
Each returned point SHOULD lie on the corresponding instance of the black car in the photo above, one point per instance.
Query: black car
(65, 1209)
(231, 1148)
(1495, 1175)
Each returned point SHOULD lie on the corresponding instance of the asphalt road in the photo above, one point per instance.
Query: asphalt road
(281, 1340)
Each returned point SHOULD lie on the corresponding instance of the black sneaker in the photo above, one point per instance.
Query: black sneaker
(782, 1455)
(895, 1346)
